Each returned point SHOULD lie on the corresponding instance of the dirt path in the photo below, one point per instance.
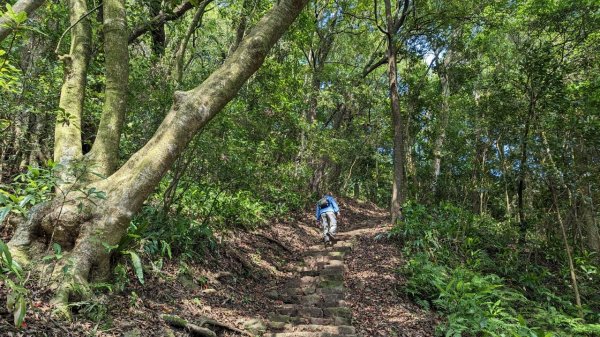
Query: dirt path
(352, 288)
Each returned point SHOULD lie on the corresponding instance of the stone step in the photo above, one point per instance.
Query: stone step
(330, 283)
(310, 272)
(322, 281)
(337, 253)
(331, 274)
(295, 334)
(328, 300)
(318, 262)
(314, 302)
(335, 329)
(308, 334)
(321, 262)
(324, 321)
(305, 310)
(345, 246)
(303, 281)
(278, 322)
(325, 269)
(331, 289)
(299, 310)
(325, 288)
(295, 293)
(276, 319)
(337, 312)
(322, 257)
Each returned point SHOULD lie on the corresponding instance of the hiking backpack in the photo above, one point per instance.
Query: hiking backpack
(323, 202)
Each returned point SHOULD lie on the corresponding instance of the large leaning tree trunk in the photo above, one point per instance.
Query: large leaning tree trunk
(81, 221)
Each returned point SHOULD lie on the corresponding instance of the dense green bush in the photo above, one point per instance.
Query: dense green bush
(27, 189)
(467, 267)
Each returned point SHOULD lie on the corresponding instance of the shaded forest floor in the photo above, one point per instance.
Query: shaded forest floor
(238, 282)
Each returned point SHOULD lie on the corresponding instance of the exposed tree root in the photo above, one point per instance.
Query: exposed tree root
(245, 264)
(208, 321)
(82, 256)
(275, 241)
(177, 321)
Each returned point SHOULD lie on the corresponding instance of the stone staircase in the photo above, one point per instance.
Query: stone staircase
(313, 303)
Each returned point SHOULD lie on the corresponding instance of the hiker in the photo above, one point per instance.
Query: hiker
(327, 209)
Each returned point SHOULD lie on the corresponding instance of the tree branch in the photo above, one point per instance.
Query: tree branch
(27, 6)
(180, 55)
(159, 19)
(402, 18)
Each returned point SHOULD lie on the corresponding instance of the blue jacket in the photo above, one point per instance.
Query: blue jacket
(333, 207)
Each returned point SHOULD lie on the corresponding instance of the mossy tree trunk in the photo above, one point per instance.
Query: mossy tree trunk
(105, 151)
(67, 130)
(83, 223)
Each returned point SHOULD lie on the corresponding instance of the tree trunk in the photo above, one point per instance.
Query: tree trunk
(158, 30)
(443, 122)
(478, 167)
(555, 178)
(105, 151)
(523, 227)
(409, 140)
(502, 158)
(398, 188)
(590, 225)
(67, 130)
(84, 220)
(36, 153)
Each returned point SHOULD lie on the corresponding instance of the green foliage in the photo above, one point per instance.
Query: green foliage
(11, 275)
(465, 266)
(120, 278)
(27, 189)
(157, 235)
(94, 309)
(57, 253)
(137, 265)
(8, 74)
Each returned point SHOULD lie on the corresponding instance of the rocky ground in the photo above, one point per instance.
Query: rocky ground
(250, 283)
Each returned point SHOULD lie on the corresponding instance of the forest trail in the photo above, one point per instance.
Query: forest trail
(276, 281)
(350, 288)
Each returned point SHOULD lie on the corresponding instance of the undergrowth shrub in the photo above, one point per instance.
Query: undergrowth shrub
(471, 269)
(27, 189)
(12, 278)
